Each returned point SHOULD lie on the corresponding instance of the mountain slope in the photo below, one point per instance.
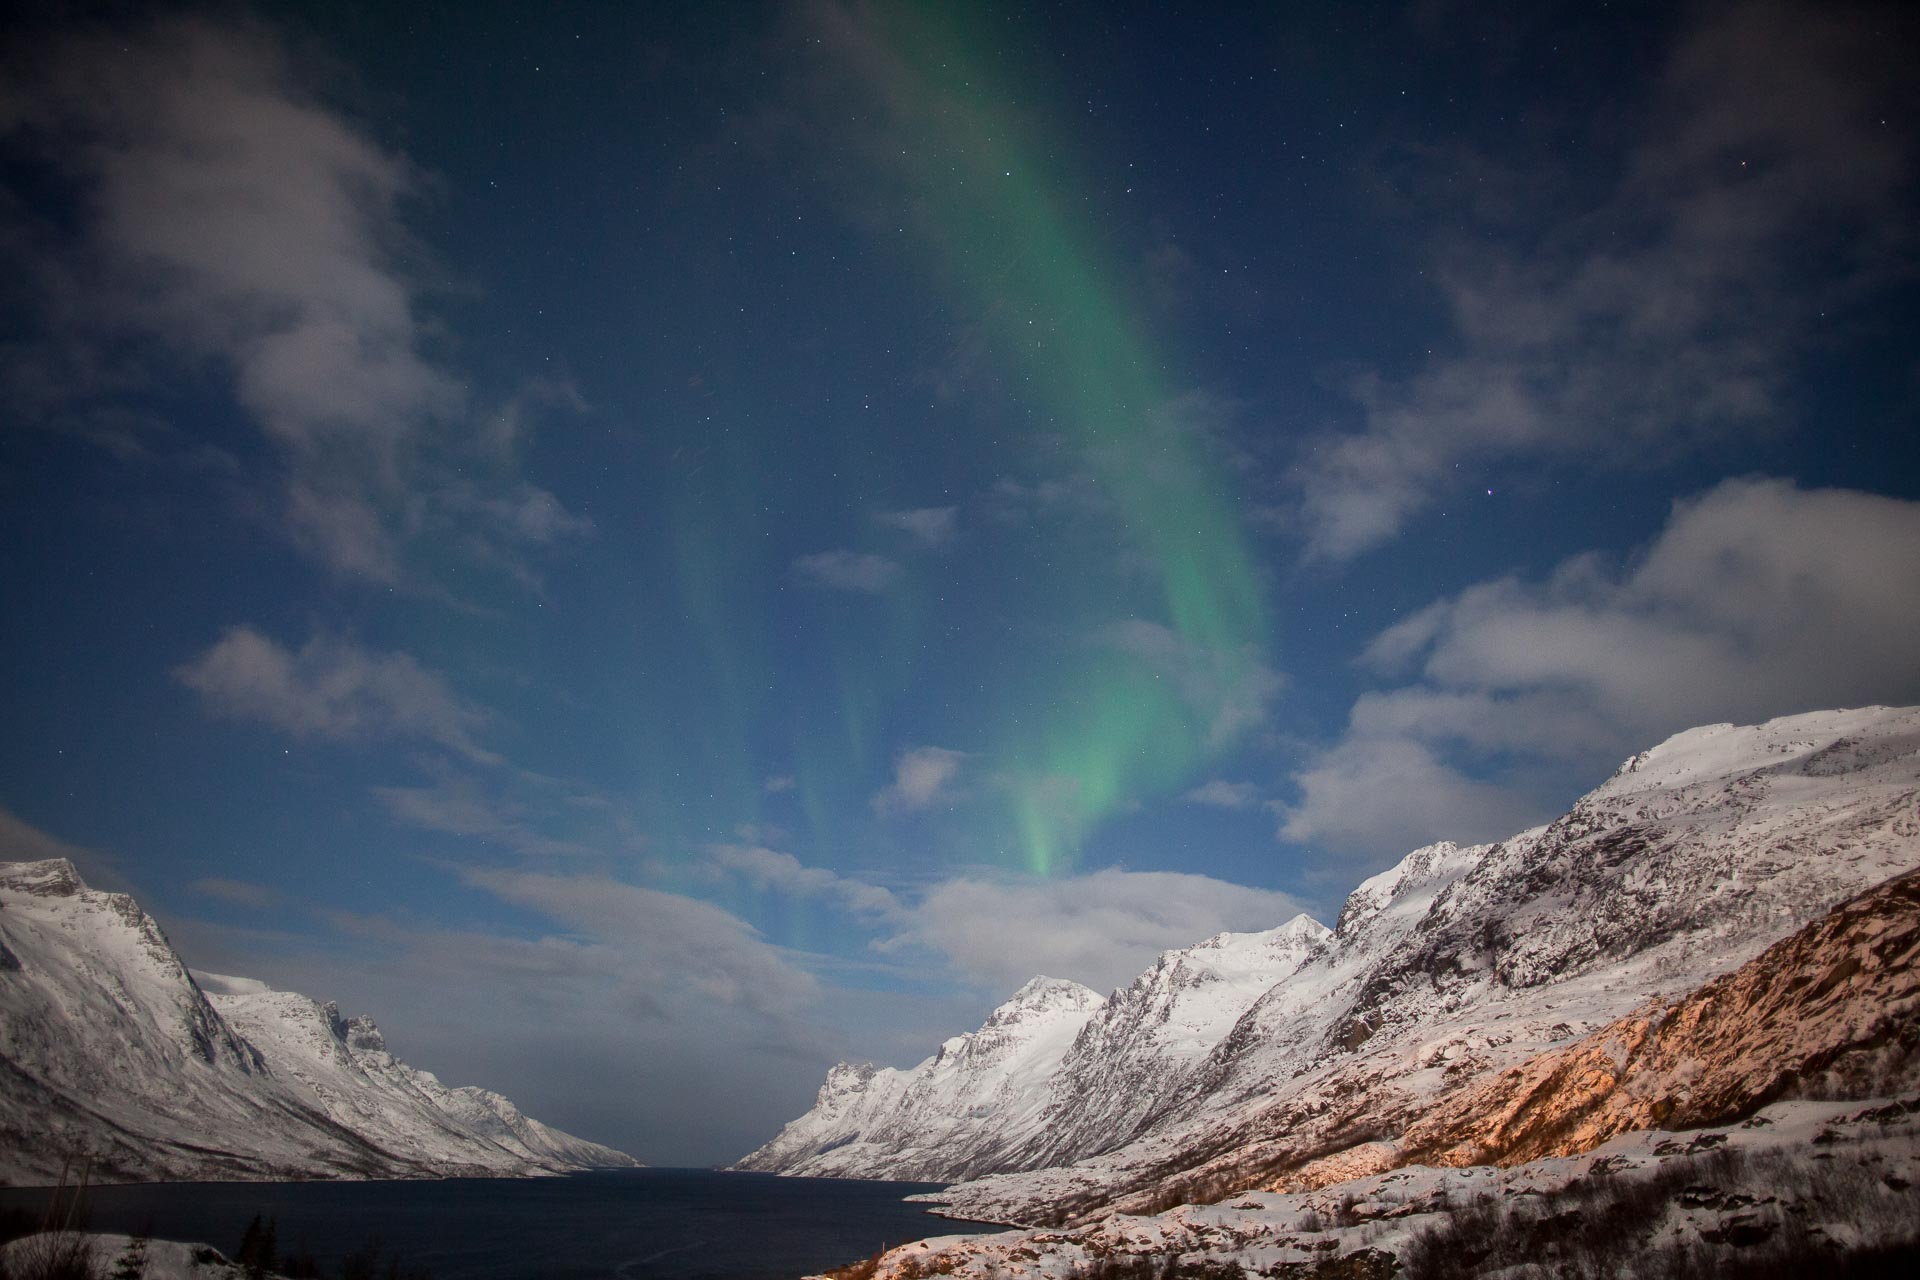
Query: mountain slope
(1140, 1052)
(1461, 963)
(955, 1114)
(1791, 1081)
(110, 1047)
(1833, 1010)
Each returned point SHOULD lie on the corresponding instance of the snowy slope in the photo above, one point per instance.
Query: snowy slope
(110, 1047)
(955, 1114)
(1461, 963)
(1141, 1052)
(1054, 1073)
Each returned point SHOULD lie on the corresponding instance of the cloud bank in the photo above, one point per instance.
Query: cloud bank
(1757, 599)
(229, 216)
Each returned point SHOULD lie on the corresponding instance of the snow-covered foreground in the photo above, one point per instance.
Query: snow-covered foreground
(1838, 1175)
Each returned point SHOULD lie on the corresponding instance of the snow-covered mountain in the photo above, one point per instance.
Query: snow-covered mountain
(1792, 1080)
(1462, 963)
(1053, 1074)
(958, 1113)
(109, 1047)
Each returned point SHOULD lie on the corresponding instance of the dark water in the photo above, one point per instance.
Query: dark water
(641, 1224)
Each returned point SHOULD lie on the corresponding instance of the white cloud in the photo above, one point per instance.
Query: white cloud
(333, 688)
(921, 779)
(459, 805)
(666, 944)
(1662, 313)
(931, 527)
(1101, 929)
(236, 220)
(847, 571)
(1221, 794)
(1758, 599)
(1381, 797)
(778, 784)
(769, 869)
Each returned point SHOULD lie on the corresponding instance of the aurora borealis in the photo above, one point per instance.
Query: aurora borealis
(731, 536)
(1001, 223)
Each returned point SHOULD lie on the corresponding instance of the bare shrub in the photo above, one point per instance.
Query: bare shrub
(53, 1255)
(1779, 1215)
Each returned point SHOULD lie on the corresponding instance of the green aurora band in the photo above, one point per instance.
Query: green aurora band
(1111, 726)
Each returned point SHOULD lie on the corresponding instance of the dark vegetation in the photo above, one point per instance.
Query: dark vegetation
(57, 1247)
(1773, 1216)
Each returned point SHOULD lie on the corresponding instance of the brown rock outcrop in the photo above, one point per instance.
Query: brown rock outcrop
(1832, 1009)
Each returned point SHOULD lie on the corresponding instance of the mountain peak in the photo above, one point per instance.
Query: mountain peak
(1044, 992)
(47, 878)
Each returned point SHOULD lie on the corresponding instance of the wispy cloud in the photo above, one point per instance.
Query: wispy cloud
(922, 778)
(772, 870)
(931, 527)
(21, 841)
(336, 689)
(665, 941)
(231, 217)
(1221, 794)
(854, 571)
(1663, 313)
(1757, 599)
(456, 804)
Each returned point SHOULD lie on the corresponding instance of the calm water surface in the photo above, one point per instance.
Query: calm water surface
(640, 1224)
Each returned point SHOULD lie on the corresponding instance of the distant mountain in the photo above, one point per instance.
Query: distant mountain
(1463, 964)
(1054, 1073)
(109, 1047)
(959, 1112)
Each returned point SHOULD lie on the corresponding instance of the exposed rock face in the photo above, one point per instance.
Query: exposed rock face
(110, 1047)
(1834, 1010)
(1463, 963)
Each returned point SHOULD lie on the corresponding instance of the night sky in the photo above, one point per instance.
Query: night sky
(653, 548)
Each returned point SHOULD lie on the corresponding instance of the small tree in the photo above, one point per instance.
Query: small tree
(132, 1264)
(259, 1247)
